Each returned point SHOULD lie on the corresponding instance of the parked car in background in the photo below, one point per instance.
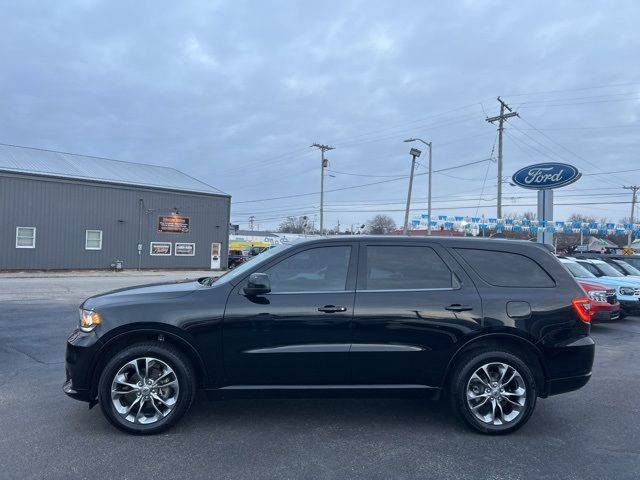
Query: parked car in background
(627, 290)
(623, 267)
(633, 260)
(605, 305)
(236, 257)
(494, 324)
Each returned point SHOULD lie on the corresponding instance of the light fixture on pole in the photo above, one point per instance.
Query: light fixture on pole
(429, 184)
(415, 153)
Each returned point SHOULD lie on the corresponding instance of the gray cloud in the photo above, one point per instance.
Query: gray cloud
(235, 92)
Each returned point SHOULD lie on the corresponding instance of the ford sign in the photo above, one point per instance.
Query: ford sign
(546, 175)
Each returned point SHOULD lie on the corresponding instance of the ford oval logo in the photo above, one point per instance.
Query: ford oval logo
(546, 175)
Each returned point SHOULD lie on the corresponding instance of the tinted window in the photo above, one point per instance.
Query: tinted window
(591, 268)
(608, 270)
(627, 268)
(315, 270)
(405, 267)
(577, 270)
(504, 269)
(618, 267)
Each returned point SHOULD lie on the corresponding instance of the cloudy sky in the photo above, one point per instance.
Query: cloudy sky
(235, 92)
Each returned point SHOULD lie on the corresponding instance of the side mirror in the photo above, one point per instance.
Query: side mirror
(258, 284)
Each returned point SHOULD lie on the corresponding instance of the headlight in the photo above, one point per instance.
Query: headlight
(627, 290)
(598, 295)
(88, 320)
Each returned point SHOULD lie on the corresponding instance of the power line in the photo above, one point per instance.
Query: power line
(356, 186)
(573, 89)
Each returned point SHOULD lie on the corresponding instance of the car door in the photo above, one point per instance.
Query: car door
(299, 333)
(413, 303)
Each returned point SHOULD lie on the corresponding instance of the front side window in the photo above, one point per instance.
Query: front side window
(322, 269)
(591, 268)
(26, 237)
(608, 270)
(390, 267)
(93, 240)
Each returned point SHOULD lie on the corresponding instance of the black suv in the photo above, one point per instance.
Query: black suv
(492, 323)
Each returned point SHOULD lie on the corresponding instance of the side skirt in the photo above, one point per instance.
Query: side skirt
(324, 391)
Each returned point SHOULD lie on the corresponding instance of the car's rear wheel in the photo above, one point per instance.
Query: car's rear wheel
(146, 388)
(493, 391)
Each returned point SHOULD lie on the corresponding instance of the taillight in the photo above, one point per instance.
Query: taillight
(582, 307)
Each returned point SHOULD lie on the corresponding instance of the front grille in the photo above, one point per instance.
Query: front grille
(611, 297)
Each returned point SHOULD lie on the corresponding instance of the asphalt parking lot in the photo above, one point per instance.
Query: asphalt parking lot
(593, 433)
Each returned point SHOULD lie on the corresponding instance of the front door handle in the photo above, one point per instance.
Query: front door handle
(332, 309)
(456, 307)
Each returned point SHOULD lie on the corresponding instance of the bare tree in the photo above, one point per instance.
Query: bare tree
(296, 225)
(381, 225)
(579, 217)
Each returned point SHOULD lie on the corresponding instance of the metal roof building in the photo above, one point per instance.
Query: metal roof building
(68, 211)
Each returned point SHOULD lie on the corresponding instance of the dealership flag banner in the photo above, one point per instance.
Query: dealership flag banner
(461, 223)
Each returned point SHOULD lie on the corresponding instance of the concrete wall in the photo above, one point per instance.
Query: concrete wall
(62, 210)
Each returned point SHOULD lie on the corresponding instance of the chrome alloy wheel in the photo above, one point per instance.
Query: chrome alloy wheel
(144, 390)
(496, 394)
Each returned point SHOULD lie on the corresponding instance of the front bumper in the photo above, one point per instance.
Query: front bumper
(630, 307)
(82, 350)
(605, 313)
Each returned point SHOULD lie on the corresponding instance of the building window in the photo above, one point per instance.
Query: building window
(185, 249)
(160, 249)
(93, 240)
(25, 237)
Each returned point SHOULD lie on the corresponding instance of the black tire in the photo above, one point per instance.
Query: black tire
(164, 352)
(460, 380)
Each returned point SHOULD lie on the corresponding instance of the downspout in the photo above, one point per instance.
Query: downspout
(139, 246)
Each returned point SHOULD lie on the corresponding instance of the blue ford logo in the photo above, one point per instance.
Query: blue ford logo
(546, 175)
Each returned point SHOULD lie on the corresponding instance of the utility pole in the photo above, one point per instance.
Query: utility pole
(634, 189)
(251, 220)
(415, 153)
(429, 195)
(323, 165)
(500, 119)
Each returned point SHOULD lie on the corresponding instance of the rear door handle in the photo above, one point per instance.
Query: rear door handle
(456, 307)
(332, 309)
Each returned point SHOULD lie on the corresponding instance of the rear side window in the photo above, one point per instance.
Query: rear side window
(505, 269)
(405, 268)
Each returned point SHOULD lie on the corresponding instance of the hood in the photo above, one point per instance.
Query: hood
(142, 293)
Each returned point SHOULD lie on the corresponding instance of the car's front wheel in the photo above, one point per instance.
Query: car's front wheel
(493, 391)
(146, 387)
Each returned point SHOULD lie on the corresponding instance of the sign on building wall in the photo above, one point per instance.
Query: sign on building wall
(173, 224)
(185, 249)
(160, 249)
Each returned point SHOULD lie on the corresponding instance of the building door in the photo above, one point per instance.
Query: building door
(215, 256)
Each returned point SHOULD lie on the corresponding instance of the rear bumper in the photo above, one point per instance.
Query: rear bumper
(569, 365)
(567, 384)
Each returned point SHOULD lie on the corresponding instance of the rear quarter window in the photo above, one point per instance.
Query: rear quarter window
(506, 269)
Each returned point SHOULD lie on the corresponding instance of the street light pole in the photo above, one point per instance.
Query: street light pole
(428, 144)
(415, 153)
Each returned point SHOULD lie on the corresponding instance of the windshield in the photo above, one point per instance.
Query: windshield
(627, 268)
(245, 267)
(578, 270)
(608, 270)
